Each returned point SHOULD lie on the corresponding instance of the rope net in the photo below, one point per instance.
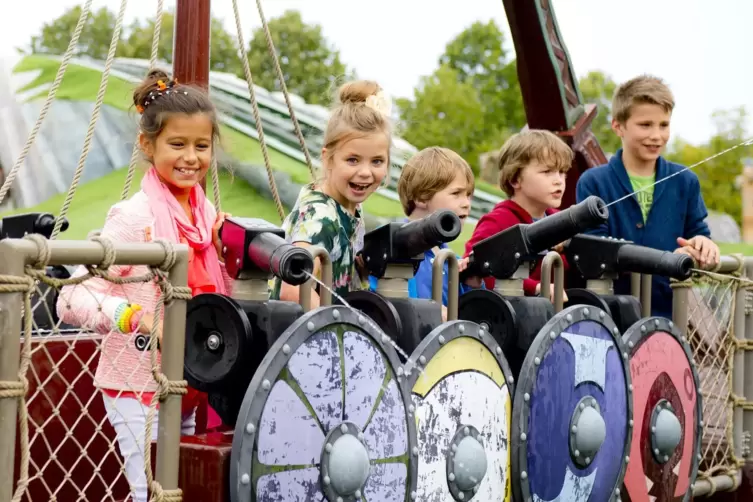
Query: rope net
(67, 446)
(711, 307)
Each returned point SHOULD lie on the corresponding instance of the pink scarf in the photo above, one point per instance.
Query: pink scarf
(163, 203)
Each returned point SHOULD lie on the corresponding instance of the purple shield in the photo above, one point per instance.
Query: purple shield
(572, 414)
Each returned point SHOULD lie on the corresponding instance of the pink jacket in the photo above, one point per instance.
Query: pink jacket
(92, 305)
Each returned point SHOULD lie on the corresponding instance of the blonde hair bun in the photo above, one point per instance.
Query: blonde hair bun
(366, 92)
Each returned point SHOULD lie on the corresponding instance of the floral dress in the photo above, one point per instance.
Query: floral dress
(319, 220)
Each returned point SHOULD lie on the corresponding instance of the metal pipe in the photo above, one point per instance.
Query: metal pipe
(553, 260)
(325, 293)
(453, 281)
(728, 264)
(173, 348)
(680, 292)
(748, 374)
(635, 285)
(11, 304)
(645, 296)
(722, 483)
(93, 253)
(738, 370)
(191, 45)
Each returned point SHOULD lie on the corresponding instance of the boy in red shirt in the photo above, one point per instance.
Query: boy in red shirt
(532, 167)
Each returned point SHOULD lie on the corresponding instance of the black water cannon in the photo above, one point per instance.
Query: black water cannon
(19, 225)
(502, 254)
(601, 260)
(597, 257)
(514, 320)
(405, 243)
(392, 254)
(16, 227)
(255, 245)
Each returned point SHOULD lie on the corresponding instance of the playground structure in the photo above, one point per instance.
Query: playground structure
(512, 398)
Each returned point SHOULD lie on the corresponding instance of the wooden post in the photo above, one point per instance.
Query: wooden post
(745, 183)
(549, 85)
(191, 44)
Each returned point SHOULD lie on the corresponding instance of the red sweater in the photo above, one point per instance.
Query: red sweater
(505, 215)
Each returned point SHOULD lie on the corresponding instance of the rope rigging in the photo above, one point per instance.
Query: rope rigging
(152, 64)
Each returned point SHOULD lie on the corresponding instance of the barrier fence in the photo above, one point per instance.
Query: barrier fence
(56, 442)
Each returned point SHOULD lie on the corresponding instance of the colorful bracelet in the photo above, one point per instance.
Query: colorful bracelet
(123, 314)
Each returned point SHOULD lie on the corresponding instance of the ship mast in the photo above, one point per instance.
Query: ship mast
(191, 44)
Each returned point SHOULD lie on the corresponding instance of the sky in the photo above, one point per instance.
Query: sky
(697, 46)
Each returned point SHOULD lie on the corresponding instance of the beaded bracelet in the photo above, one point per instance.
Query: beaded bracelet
(123, 314)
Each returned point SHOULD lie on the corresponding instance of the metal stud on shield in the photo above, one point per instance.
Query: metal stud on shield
(324, 418)
(572, 412)
(668, 414)
(462, 397)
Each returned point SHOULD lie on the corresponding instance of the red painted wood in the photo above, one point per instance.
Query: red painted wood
(191, 47)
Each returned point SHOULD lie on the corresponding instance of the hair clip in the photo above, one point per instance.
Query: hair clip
(161, 85)
(139, 108)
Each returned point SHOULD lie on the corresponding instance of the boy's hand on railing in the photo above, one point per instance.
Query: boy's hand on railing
(463, 264)
(703, 250)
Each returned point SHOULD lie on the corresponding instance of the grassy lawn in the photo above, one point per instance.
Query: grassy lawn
(82, 84)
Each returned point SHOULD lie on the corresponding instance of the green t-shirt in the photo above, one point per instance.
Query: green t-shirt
(646, 195)
(319, 220)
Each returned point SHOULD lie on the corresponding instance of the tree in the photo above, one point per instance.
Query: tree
(718, 176)
(223, 47)
(138, 43)
(94, 40)
(310, 65)
(445, 111)
(598, 89)
(479, 59)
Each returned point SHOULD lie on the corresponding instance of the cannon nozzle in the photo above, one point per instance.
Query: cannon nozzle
(255, 244)
(290, 263)
(416, 237)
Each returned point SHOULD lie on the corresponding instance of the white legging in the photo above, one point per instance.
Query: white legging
(128, 417)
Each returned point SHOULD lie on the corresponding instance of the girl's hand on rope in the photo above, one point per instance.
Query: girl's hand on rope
(145, 325)
(702, 249)
(216, 233)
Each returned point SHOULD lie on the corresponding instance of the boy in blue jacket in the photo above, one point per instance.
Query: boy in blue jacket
(669, 215)
(432, 180)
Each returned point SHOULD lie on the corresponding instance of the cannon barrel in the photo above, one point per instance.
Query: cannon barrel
(501, 254)
(645, 260)
(595, 256)
(416, 237)
(18, 225)
(405, 243)
(559, 227)
(272, 253)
